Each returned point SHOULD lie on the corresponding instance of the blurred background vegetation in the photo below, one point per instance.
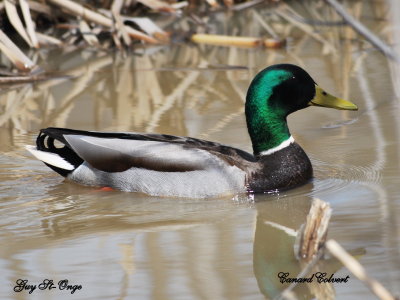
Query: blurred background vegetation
(136, 24)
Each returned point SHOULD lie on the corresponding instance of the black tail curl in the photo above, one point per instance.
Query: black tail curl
(45, 142)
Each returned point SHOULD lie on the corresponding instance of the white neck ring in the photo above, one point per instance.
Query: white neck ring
(281, 146)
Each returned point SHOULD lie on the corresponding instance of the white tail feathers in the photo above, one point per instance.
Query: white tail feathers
(50, 158)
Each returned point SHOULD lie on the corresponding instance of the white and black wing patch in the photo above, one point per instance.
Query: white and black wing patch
(50, 158)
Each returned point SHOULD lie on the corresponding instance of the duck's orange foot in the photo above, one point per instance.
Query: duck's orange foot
(106, 189)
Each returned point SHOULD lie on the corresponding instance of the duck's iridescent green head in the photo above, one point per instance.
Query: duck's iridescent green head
(276, 92)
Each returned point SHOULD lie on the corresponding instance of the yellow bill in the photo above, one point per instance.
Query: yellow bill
(324, 99)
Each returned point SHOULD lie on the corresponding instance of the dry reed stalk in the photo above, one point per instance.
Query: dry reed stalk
(144, 23)
(274, 43)
(30, 26)
(224, 40)
(304, 27)
(151, 28)
(88, 34)
(40, 8)
(364, 31)
(228, 3)
(358, 270)
(238, 41)
(17, 57)
(265, 25)
(47, 40)
(15, 21)
(179, 5)
(97, 18)
(158, 5)
(213, 3)
(22, 79)
(313, 233)
(119, 24)
(246, 5)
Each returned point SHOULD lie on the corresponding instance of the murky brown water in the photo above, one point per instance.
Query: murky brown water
(127, 246)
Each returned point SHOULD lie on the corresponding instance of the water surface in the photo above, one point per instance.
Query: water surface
(130, 246)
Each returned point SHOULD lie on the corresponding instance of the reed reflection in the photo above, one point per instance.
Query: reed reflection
(274, 260)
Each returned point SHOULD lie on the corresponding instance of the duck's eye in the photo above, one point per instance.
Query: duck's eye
(324, 93)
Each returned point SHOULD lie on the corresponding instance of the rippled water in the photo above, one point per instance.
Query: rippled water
(129, 246)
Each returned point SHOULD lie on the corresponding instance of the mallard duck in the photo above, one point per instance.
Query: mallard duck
(166, 165)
